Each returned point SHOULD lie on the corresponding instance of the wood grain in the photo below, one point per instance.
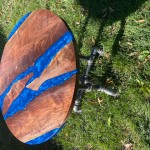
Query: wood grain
(41, 29)
(50, 109)
(14, 92)
(55, 68)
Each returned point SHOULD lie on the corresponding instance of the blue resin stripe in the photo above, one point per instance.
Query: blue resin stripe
(27, 95)
(45, 137)
(22, 75)
(41, 63)
(18, 24)
(55, 81)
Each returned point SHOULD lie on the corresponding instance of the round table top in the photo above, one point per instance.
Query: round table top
(37, 77)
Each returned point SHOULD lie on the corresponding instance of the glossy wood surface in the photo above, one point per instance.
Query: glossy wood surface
(50, 109)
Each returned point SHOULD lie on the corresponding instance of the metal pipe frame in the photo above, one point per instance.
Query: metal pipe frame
(87, 86)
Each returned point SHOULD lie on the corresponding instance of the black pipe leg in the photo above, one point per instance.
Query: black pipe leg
(86, 85)
(77, 105)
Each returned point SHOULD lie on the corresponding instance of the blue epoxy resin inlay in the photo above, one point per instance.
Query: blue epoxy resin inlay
(18, 24)
(27, 95)
(19, 77)
(45, 137)
(41, 63)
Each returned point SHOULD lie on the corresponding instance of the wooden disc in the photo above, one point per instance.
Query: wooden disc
(37, 77)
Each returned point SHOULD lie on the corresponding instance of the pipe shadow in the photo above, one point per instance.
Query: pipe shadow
(107, 12)
(116, 46)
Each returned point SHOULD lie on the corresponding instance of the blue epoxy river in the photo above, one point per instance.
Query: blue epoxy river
(27, 95)
(41, 63)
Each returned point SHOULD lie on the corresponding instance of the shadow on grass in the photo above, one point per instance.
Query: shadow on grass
(7, 140)
(2, 41)
(108, 12)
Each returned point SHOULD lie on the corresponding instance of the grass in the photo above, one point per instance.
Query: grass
(122, 26)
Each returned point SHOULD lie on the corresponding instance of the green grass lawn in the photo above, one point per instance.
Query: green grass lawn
(123, 27)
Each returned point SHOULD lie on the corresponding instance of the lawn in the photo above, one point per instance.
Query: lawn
(123, 28)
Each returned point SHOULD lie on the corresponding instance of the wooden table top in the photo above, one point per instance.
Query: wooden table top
(37, 77)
